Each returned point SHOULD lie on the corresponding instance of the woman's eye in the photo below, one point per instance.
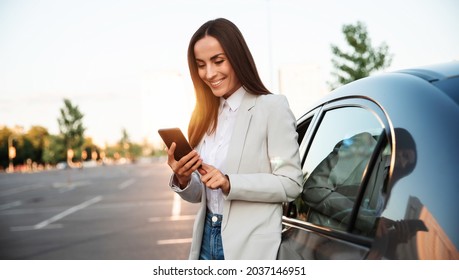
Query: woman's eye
(201, 65)
(219, 62)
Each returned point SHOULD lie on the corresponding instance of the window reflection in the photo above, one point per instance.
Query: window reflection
(335, 167)
(418, 235)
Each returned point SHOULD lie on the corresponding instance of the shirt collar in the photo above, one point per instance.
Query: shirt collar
(235, 100)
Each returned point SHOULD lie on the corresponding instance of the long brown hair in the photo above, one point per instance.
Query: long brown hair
(205, 114)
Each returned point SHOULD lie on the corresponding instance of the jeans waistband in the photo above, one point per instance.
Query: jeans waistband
(214, 220)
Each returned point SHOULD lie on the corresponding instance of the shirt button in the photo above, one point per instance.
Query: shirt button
(214, 219)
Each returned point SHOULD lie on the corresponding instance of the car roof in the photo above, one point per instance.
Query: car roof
(436, 78)
(434, 72)
(444, 77)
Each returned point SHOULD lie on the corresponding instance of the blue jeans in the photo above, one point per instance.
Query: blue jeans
(211, 246)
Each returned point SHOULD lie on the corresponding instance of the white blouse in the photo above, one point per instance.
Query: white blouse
(214, 146)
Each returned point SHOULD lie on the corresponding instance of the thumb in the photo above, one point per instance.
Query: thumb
(171, 151)
(204, 169)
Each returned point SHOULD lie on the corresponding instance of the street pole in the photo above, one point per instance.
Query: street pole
(11, 153)
(70, 155)
(270, 59)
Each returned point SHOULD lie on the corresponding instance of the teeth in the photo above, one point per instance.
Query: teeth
(217, 83)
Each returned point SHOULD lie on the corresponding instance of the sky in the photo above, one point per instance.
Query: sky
(123, 63)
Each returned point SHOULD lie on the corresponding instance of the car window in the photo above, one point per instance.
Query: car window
(373, 201)
(335, 166)
(302, 128)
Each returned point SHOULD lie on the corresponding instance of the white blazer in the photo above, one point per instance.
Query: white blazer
(263, 165)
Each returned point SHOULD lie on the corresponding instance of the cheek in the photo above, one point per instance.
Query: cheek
(202, 74)
(234, 80)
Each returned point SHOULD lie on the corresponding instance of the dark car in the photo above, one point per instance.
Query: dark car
(380, 158)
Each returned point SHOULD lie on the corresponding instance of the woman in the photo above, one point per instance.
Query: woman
(245, 161)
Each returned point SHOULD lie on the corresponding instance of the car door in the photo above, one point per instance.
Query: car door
(345, 151)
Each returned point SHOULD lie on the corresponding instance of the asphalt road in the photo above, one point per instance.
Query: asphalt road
(118, 212)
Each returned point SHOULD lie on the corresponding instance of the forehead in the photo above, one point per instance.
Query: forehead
(207, 47)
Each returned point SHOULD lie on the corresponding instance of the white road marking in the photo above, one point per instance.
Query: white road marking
(173, 241)
(10, 205)
(126, 184)
(108, 205)
(17, 190)
(176, 209)
(176, 206)
(25, 228)
(46, 223)
(70, 185)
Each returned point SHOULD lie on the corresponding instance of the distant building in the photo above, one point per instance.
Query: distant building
(302, 84)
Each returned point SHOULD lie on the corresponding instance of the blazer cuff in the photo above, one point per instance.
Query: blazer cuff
(175, 185)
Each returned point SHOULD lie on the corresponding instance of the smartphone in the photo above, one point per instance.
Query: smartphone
(170, 135)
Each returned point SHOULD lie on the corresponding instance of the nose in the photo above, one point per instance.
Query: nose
(210, 72)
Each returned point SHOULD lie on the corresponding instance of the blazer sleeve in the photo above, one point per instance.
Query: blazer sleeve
(282, 183)
(192, 192)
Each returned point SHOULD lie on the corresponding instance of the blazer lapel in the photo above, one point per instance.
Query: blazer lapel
(237, 143)
(241, 127)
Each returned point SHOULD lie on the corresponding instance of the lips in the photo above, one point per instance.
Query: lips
(216, 83)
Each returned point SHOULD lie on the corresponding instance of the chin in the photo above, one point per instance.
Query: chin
(220, 93)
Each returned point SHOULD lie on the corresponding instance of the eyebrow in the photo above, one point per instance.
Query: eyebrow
(212, 58)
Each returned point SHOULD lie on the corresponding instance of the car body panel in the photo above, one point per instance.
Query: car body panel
(420, 218)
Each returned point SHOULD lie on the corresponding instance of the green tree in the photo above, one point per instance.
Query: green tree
(24, 150)
(89, 148)
(15, 137)
(135, 150)
(361, 60)
(126, 148)
(37, 136)
(124, 144)
(71, 127)
(5, 132)
(54, 150)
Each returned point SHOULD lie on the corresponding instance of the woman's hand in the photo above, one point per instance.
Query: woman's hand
(185, 166)
(214, 178)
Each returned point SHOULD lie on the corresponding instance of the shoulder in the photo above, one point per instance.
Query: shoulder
(275, 108)
(273, 101)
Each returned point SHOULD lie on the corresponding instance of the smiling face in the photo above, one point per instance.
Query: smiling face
(214, 67)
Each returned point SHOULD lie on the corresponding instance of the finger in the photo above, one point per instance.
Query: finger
(193, 163)
(215, 182)
(198, 165)
(170, 153)
(212, 183)
(213, 179)
(170, 158)
(180, 167)
(171, 149)
(202, 171)
(185, 159)
(208, 176)
(207, 167)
